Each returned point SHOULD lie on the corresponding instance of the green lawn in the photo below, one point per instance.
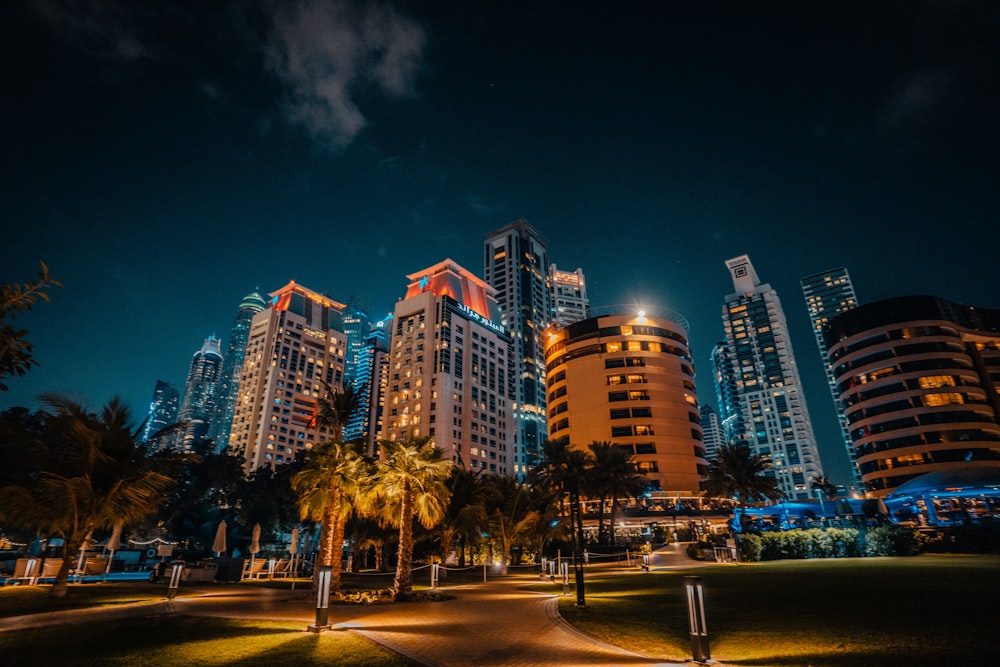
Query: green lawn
(184, 640)
(20, 600)
(926, 610)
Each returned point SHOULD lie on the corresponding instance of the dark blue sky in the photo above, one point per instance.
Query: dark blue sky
(164, 162)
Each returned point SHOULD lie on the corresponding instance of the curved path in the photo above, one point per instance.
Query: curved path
(485, 624)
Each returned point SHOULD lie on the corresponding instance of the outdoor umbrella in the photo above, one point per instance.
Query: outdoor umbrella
(219, 546)
(293, 549)
(114, 542)
(254, 544)
(82, 553)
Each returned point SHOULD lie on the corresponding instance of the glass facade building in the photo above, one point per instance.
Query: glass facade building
(162, 412)
(569, 296)
(198, 404)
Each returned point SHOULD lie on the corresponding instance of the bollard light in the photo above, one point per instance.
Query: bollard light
(176, 568)
(565, 577)
(696, 619)
(323, 578)
(435, 574)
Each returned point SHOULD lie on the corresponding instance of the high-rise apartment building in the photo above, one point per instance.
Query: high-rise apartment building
(766, 381)
(162, 413)
(515, 265)
(371, 377)
(232, 367)
(198, 404)
(568, 296)
(727, 395)
(919, 378)
(711, 430)
(295, 351)
(628, 379)
(827, 295)
(452, 370)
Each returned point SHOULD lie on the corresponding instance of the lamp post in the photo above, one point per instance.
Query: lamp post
(696, 619)
(577, 519)
(323, 577)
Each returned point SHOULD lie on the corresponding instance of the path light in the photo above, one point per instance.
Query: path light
(176, 568)
(696, 620)
(323, 578)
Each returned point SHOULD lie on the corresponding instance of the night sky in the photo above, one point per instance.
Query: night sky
(165, 162)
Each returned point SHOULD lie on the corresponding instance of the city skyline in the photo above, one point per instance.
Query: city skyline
(164, 162)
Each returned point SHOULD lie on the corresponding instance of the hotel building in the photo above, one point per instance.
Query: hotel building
(294, 347)
(452, 370)
(919, 378)
(628, 379)
(568, 296)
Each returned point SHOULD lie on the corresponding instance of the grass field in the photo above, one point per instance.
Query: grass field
(926, 610)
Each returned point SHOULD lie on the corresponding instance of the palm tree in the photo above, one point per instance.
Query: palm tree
(410, 482)
(327, 487)
(738, 472)
(334, 409)
(613, 475)
(509, 514)
(95, 474)
(463, 514)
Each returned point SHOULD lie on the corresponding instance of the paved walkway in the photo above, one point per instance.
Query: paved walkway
(485, 624)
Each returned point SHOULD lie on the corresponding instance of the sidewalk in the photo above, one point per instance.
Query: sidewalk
(484, 625)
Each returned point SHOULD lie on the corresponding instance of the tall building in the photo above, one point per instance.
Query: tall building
(295, 346)
(766, 382)
(628, 379)
(919, 378)
(232, 367)
(568, 295)
(162, 413)
(198, 404)
(357, 324)
(711, 430)
(369, 384)
(515, 265)
(727, 395)
(827, 295)
(452, 370)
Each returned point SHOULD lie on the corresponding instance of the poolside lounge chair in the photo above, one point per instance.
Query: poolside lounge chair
(26, 569)
(254, 569)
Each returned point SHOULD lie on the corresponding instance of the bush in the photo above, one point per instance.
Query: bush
(891, 541)
(750, 548)
(798, 544)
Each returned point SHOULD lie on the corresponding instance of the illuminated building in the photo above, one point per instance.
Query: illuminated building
(919, 378)
(827, 295)
(356, 326)
(162, 412)
(451, 370)
(767, 392)
(232, 366)
(711, 430)
(727, 395)
(628, 379)
(568, 296)
(371, 376)
(295, 345)
(515, 264)
(198, 404)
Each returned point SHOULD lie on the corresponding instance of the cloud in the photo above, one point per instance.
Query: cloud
(111, 30)
(919, 99)
(327, 53)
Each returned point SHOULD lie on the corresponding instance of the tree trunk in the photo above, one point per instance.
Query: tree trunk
(404, 562)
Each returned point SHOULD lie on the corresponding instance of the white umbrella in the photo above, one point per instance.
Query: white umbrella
(254, 544)
(114, 542)
(219, 545)
(293, 549)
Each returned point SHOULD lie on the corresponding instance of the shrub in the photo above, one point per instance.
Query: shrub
(891, 541)
(750, 548)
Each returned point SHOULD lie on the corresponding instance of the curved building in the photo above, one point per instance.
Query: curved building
(628, 379)
(919, 378)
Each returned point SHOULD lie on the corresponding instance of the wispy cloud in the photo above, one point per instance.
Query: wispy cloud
(107, 29)
(327, 53)
(919, 99)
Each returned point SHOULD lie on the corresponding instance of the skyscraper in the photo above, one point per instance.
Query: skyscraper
(628, 379)
(198, 404)
(356, 326)
(827, 295)
(232, 367)
(295, 349)
(369, 384)
(727, 395)
(451, 370)
(711, 430)
(162, 412)
(568, 296)
(768, 391)
(515, 265)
